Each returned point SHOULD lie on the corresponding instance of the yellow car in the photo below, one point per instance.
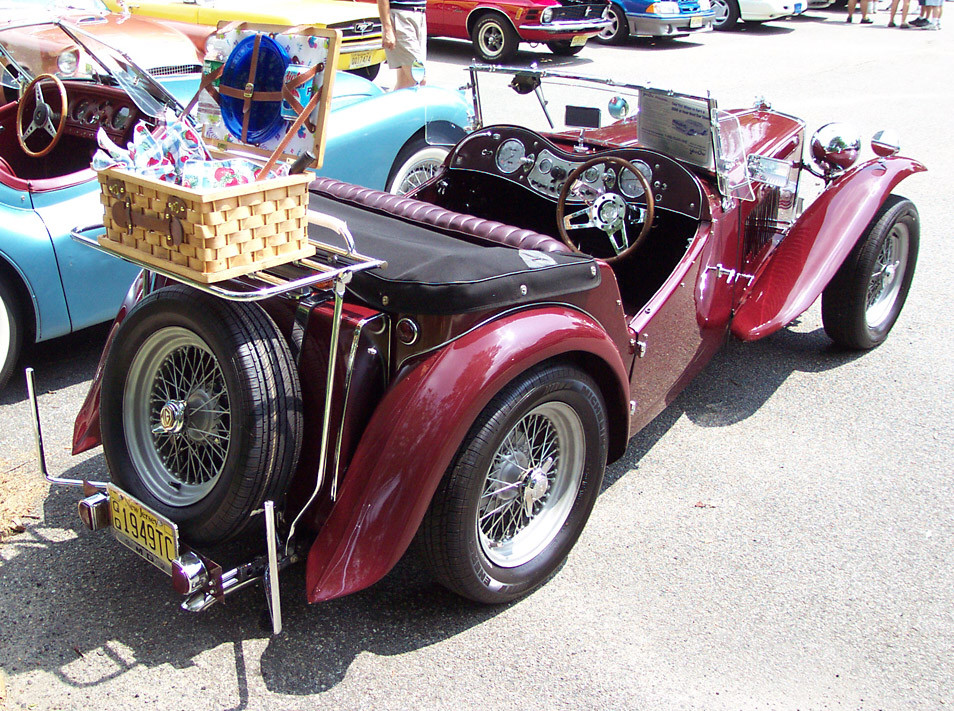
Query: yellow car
(358, 22)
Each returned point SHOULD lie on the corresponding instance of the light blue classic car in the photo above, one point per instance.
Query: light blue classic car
(645, 18)
(49, 284)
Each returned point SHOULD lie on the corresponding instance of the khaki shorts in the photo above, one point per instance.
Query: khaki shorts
(410, 38)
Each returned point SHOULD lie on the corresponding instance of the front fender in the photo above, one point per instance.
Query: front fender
(417, 429)
(816, 246)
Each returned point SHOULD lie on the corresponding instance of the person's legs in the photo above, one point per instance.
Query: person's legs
(851, 10)
(864, 11)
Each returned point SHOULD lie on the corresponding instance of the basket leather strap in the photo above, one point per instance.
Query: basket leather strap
(290, 93)
(169, 224)
(292, 130)
(250, 87)
(207, 84)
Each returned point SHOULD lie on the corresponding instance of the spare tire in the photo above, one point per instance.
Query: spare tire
(201, 411)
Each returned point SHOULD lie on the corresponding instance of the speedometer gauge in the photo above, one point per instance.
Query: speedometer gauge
(510, 155)
(629, 184)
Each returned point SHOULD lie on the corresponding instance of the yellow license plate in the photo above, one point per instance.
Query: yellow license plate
(578, 41)
(356, 60)
(695, 22)
(141, 529)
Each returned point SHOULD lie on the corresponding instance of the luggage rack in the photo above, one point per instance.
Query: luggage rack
(200, 579)
(330, 266)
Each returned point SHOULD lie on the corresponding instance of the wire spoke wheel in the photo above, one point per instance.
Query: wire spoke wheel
(863, 300)
(530, 487)
(512, 505)
(176, 409)
(887, 277)
(200, 411)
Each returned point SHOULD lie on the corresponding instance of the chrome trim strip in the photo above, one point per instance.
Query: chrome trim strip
(561, 26)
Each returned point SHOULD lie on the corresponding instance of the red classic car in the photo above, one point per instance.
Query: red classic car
(497, 27)
(544, 297)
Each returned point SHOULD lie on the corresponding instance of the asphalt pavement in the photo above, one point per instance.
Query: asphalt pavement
(779, 538)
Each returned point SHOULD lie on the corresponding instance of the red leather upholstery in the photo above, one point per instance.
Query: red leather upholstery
(448, 221)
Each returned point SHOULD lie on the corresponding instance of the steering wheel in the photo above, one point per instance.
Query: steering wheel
(43, 116)
(605, 208)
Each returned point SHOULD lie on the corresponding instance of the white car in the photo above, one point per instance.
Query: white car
(729, 12)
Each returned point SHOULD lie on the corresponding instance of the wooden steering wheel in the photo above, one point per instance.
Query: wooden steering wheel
(606, 206)
(43, 116)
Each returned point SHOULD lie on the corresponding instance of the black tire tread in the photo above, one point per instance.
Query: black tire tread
(272, 397)
(442, 543)
(843, 300)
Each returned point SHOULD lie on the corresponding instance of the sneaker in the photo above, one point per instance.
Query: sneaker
(930, 26)
(848, 19)
(891, 24)
(919, 22)
(866, 21)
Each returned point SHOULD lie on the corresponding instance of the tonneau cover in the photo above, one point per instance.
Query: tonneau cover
(430, 272)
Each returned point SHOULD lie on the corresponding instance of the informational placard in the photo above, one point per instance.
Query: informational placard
(677, 125)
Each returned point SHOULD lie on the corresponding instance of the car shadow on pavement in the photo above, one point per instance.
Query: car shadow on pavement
(123, 613)
(57, 363)
(461, 53)
(735, 384)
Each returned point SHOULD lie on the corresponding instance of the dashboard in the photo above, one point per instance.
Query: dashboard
(91, 107)
(526, 158)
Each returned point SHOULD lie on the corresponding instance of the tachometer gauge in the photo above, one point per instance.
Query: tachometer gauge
(629, 184)
(510, 155)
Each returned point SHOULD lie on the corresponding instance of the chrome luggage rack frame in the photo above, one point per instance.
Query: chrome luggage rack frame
(200, 579)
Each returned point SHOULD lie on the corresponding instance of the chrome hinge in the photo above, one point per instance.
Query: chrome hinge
(731, 275)
(641, 346)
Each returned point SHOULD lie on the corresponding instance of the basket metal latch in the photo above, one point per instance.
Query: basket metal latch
(175, 213)
(122, 208)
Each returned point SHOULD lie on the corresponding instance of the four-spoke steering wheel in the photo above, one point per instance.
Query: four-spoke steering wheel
(605, 204)
(43, 115)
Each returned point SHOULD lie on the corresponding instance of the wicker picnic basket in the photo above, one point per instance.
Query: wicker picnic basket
(206, 235)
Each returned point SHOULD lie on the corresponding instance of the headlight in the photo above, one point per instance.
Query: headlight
(664, 8)
(67, 62)
(546, 16)
(705, 5)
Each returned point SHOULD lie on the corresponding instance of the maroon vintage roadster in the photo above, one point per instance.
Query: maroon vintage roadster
(544, 297)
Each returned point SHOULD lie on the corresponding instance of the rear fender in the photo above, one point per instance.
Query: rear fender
(417, 429)
(815, 247)
(86, 434)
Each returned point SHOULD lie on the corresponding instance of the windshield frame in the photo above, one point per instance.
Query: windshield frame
(720, 131)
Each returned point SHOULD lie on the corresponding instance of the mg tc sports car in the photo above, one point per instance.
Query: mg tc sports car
(459, 365)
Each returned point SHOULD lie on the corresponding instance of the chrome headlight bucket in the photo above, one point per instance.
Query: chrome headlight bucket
(835, 147)
(546, 16)
(67, 62)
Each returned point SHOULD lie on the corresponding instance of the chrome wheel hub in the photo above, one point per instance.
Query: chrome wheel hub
(177, 416)
(172, 417)
(531, 485)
